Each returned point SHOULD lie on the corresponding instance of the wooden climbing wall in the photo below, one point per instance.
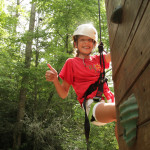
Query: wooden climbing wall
(130, 52)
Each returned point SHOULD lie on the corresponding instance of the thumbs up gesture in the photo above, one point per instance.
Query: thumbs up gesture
(51, 75)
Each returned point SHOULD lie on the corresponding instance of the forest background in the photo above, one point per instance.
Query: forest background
(32, 116)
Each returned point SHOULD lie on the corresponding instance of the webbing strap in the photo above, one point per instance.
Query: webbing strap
(102, 62)
(100, 89)
(91, 110)
(98, 84)
(91, 88)
(86, 124)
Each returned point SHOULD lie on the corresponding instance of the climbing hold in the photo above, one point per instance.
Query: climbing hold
(116, 16)
(128, 119)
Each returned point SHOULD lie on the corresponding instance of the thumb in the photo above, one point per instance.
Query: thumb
(51, 68)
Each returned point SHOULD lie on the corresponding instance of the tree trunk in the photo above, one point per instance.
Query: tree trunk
(25, 79)
(16, 18)
(66, 44)
(36, 65)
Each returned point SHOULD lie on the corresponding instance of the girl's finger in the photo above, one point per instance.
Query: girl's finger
(50, 67)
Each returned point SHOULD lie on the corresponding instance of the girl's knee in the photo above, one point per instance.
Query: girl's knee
(105, 112)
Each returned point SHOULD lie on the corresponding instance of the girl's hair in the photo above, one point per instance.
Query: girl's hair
(75, 40)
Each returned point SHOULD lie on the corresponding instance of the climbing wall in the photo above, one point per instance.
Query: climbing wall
(130, 52)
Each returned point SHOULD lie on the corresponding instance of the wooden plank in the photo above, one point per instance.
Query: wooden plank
(141, 90)
(143, 137)
(130, 50)
(137, 57)
(129, 16)
(110, 7)
(112, 28)
(136, 24)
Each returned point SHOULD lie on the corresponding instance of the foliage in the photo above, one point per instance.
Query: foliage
(50, 122)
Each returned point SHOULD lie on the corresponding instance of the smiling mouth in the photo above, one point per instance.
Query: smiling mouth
(86, 47)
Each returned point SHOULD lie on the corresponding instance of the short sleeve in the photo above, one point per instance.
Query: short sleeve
(67, 71)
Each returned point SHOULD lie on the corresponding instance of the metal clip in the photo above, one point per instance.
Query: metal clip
(97, 99)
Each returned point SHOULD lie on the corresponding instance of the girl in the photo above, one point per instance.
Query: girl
(82, 71)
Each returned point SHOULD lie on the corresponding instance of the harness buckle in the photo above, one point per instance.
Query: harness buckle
(104, 80)
(97, 99)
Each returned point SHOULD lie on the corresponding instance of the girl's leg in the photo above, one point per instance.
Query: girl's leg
(105, 113)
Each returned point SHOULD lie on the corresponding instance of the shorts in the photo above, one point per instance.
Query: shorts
(90, 110)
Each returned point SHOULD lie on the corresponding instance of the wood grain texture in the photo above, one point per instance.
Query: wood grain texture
(142, 142)
(141, 90)
(136, 59)
(130, 51)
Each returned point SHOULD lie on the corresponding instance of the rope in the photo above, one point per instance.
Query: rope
(99, 19)
(100, 47)
(98, 84)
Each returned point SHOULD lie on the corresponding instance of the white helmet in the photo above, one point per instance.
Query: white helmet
(87, 30)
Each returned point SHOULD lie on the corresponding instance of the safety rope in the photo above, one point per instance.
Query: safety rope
(100, 47)
(98, 84)
(99, 19)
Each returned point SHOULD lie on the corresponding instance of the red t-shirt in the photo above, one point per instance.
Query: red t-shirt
(81, 73)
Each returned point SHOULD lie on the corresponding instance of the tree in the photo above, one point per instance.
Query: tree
(44, 120)
(25, 80)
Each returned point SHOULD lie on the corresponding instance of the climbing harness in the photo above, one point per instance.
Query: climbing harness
(98, 85)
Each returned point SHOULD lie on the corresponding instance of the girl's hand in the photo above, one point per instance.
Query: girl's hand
(51, 75)
(108, 57)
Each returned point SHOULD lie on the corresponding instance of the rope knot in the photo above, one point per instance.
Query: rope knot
(100, 47)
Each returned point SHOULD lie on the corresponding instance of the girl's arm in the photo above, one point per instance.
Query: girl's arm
(108, 57)
(62, 89)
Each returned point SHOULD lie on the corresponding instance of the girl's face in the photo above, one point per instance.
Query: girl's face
(85, 45)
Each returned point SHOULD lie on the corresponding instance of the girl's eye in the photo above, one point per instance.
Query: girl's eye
(90, 40)
(84, 40)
